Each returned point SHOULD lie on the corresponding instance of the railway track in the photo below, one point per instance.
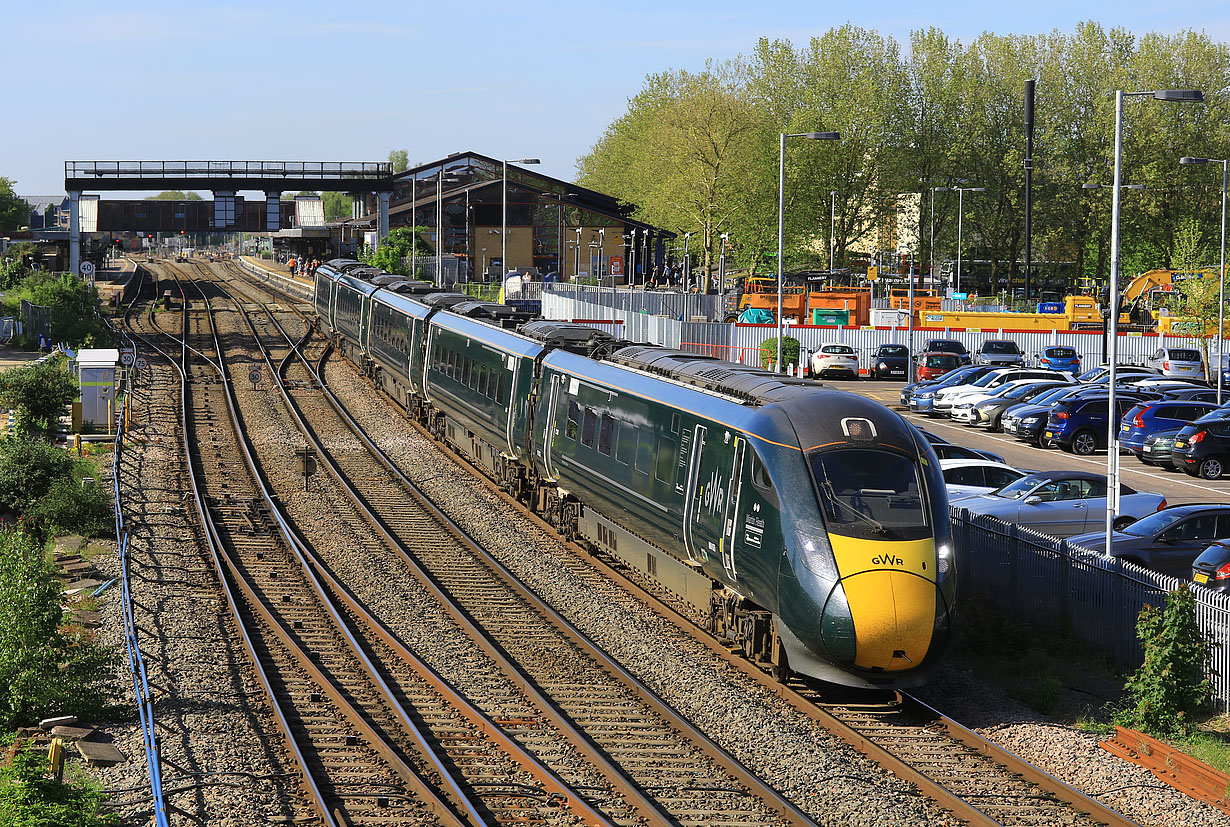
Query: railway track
(978, 781)
(373, 749)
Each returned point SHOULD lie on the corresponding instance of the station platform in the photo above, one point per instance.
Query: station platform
(278, 276)
(112, 280)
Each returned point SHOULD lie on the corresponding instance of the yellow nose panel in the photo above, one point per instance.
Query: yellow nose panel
(890, 589)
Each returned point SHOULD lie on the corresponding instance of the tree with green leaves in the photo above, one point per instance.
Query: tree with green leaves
(44, 670)
(38, 392)
(31, 798)
(14, 212)
(400, 160)
(175, 195)
(338, 205)
(392, 254)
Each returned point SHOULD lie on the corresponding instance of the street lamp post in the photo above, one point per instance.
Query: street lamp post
(832, 228)
(504, 215)
(934, 190)
(687, 262)
(1112, 421)
(601, 246)
(577, 271)
(781, 218)
(1221, 292)
(960, 215)
(414, 223)
(440, 234)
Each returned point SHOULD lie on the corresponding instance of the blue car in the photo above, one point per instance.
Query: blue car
(1061, 357)
(1151, 416)
(922, 394)
(1079, 424)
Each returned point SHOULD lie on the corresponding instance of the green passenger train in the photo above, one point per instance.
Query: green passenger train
(807, 526)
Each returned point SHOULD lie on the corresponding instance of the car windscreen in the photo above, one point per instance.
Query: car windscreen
(1000, 347)
(870, 494)
(1018, 488)
(947, 345)
(1051, 396)
(1060, 352)
(1182, 355)
(1154, 523)
(985, 379)
(944, 360)
(1021, 391)
(894, 350)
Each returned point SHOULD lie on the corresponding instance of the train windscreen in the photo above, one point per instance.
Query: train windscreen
(870, 494)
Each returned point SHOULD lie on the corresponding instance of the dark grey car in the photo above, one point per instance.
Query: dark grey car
(1002, 353)
(988, 412)
(1168, 541)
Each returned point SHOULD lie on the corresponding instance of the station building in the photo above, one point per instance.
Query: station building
(553, 226)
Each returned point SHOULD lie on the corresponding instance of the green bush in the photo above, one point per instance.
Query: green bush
(44, 670)
(29, 798)
(39, 393)
(1171, 685)
(28, 470)
(768, 351)
(71, 507)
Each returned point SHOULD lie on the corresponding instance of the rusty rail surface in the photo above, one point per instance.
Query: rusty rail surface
(1177, 769)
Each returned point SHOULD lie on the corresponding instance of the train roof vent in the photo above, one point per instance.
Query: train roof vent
(445, 300)
(364, 272)
(385, 279)
(344, 264)
(504, 315)
(570, 336)
(743, 382)
(411, 288)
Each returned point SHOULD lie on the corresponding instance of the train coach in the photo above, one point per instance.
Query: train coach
(809, 525)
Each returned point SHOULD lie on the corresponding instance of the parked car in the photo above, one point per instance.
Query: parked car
(1211, 568)
(1060, 357)
(1160, 415)
(1202, 448)
(1101, 374)
(999, 352)
(1028, 422)
(1178, 361)
(1194, 393)
(963, 408)
(949, 450)
(1157, 447)
(989, 412)
(1079, 424)
(1169, 541)
(1061, 503)
(935, 365)
(835, 358)
(890, 362)
(946, 398)
(948, 346)
(963, 477)
(918, 396)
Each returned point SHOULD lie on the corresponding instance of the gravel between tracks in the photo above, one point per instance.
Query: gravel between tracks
(833, 783)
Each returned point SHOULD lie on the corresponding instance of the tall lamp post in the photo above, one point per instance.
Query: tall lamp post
(1221, 292)
(931, 272)
(687, 261)
(832, 228)
(960, 215)
(577, 271)
(781, 218)
(441, 180)
(1112, 421)
(504, 215)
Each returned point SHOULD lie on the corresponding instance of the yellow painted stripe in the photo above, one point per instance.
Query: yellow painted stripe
(890, 588)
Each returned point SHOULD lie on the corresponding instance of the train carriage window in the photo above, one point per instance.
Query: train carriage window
(674, 423)
(625, 445)
(484, 381)
(606, 434)
(468, 374)
(644, 451)
(588, 427)
(574, 420)
(505, 378)
(760, 474)
(665, 471)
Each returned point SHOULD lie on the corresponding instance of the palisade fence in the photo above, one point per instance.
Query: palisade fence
(1056, 586)
(742, 342)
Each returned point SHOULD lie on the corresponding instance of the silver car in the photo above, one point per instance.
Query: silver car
(1181, 362)
(1061, 503)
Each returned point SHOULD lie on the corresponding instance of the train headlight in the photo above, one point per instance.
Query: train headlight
(943, 559)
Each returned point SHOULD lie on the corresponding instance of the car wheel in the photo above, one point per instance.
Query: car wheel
(1042, 442)
(1084, 443)
(1122, 523)
(1211, 468)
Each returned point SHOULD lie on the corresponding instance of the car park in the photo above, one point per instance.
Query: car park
(999, 352)
(1079, 424)
(945, 398)
(1028, 422)
(835, 358)
(948, 346)
(989, 412)
(963, 477)
(890, 362)
(1158, 415)
(1061, 503)
(1211, 568)
(1202, 448)
(1168, 541)
(1195, 393)
(963, 408)
(947, 450)
(1178, 361)
(919, 395)
(935, 365)
(1060, 357)
(1157, 447)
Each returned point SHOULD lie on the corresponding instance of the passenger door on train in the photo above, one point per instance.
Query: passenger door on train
(705, 460)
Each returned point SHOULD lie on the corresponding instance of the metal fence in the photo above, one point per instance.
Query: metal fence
(1056, 587)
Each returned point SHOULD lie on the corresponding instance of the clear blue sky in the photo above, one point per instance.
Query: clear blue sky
(350, 81)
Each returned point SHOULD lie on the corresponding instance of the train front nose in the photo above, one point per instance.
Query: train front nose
(882, 616)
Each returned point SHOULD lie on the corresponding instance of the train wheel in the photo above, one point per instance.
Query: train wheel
(780, 671)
